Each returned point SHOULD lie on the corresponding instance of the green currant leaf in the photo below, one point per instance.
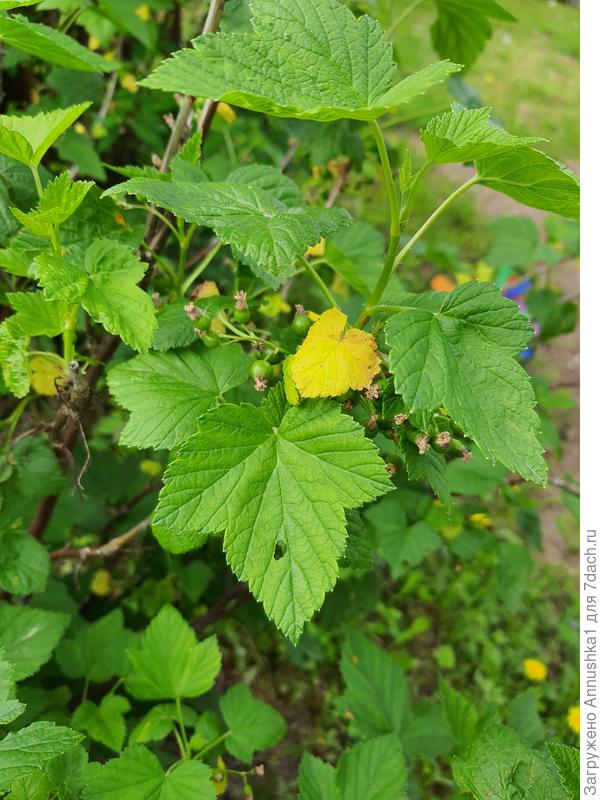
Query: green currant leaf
(104, 723)
(28, 138)
(32, 787)
(138, 775)
(276, 479)
(10, 707)
(28, 749)
(60, 199)
(357, 254)
(523, 717)
(409, 545)
(36, 316)
(85, 654)
(158, 723)
(463, 27)
(532, 178)
(30, 636)
(461, 716)
(566, 761)
(13, 360)
(6, 5)
(499, 764)
(464, 134)
(359, 549)
(376, 690)
(38, 470)
(50, 45)
(24, 563)
(169, 662)
(253, 725)
(459, 350)
(167, 392)
(310, 59)
(317, 779)
(262, 231)
(373, 770)
(106, 286)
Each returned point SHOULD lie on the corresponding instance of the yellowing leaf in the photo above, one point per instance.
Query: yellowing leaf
(317, 249)
(332, 360)
(289, 387)
(44, 374)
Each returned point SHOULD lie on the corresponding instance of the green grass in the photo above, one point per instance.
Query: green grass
(528, 72)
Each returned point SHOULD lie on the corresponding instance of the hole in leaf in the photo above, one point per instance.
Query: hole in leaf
(280, 550)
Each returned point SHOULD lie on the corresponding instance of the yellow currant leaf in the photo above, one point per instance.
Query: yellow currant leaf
(44, 375)
(289, 387)
(332, 360)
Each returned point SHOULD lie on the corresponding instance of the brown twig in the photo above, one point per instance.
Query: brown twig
(238, 594)
(338, 185)
(105, 550)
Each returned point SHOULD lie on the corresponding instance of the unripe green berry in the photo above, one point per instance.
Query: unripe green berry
(241, 315)
(301, 324)
(211, 339)
(261, 369)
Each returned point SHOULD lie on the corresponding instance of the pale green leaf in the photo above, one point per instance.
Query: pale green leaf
(269, 179)
(60, 199)
(499, 765)
(357, 254)
(106, 286)
(28, 749)
(50, 45)
(276, 479)
(105, 723)
(359, 549)
(24, 563)
(461, 715)
(463, 27)
(459, 350)
(65, 773)
(174, 328)
(253, 725)
(6, 5)
(29, 635)
(32, 787)
(169, 662)
(465, 134)
(376, 691)
(155, 725)
(167, 392)
(262, 231)
(524, 718)
(28, 138)
(85, 654)
(566, 760)
(373, 770)
(310, 59)
(39, 472)
(317, 779)
(10, 707)
(13, 360)
(36, 316)
(532, 178)
(407, 545)
(138, 775)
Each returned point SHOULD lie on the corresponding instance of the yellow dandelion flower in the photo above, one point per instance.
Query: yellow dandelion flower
(129, 83)
(481, 520)
(573, 718)
(534, 670)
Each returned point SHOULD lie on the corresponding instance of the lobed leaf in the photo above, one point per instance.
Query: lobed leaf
(28, 138)
(310, 59)
(458, 350)
(167, 392)
(276, 479)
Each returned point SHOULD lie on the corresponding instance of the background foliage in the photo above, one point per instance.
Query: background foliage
(439, 656)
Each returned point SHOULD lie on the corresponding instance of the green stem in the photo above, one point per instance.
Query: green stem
(395, 224)
(86, 688)
(184, 738)
(13, 421)
(37, 180)
(319, 281)
(68, 336)
(432, 218)
(401, 17)
(386, 275)
(212, 745)
(201, 267)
